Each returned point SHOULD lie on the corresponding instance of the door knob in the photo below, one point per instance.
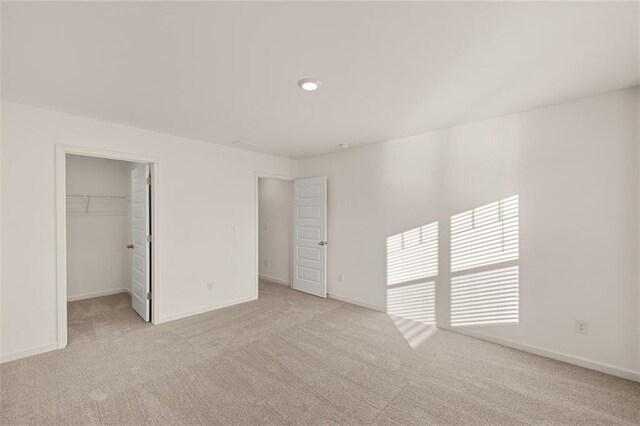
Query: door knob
(130, 246)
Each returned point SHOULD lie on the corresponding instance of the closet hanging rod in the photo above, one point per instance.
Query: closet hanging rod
(118, 197)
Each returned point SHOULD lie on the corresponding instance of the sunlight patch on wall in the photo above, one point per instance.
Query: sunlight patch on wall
(416, 302)
(412, 267)
(413, 254)
(485, 235)
(485, 277)
(484, 298)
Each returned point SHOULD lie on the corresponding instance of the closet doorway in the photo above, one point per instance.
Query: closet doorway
(105, 246)
(274, 201)
(291, 234)
(108, 222)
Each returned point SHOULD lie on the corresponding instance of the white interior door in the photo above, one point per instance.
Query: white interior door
(310, 236)
(141, 274)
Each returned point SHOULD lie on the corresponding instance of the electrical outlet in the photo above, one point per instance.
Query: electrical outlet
(210, 286)
(582, 327)
(265, 263)
(266, 225)
(340, 278)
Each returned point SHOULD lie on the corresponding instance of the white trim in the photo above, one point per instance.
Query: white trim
(61, 227)
(207, 309)
(274, 280)
(97, 294)
(559, 356)
(29, 352)
(354, 302)
(256, 223)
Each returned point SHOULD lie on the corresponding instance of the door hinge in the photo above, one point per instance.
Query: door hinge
(149, 296)
(148, 180)
(149, 238)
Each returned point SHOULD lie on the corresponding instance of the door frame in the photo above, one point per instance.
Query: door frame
(256, 222)
(61, 227)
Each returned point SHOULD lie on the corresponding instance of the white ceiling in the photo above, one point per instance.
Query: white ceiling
(226, 71)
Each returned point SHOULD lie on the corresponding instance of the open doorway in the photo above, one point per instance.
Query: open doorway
(107, 247)
(291, 233)
(274, 231)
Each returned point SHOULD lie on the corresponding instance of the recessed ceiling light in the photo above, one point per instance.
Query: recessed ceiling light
(344, 145)
(309, 84)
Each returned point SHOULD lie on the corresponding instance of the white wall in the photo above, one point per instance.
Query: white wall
(575, 169)
(574, 166)
(275, 229)
(204, 192)
(98, 261)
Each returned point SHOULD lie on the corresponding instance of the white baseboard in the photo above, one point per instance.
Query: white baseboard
(559, 356)
(29, 352)
(274, 280)
(354, 302)
(205, 309)
(53, 346)
(97, 294)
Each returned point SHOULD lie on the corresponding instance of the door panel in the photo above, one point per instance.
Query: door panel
(141, 274)
(309, 236)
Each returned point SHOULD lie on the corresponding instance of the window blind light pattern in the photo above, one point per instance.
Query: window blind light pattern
(413, 254)
(485, 276)
(416, 302)
(485, 298)
(485, 235)
(415, 333)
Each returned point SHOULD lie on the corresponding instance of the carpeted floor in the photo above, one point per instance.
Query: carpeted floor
(289, 358)
(99, 317)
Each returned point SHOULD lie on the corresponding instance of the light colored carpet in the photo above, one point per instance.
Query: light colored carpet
(289, 358)
(98, 317)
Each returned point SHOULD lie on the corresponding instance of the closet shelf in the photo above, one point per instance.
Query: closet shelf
(105, 205)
